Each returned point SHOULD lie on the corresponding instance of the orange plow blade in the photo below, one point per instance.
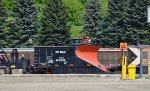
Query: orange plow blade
(89, 54)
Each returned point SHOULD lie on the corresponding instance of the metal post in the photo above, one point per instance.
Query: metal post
(123, 46)
(141, 58)
(124, 62)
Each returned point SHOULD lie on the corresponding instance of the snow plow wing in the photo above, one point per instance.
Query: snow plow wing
(89, 54)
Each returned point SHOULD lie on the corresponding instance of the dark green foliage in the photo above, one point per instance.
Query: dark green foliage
(92, 22)
(136, 26)
(127, 22)
(55, 30)
(24, 27)
(76, 10)
(115, 23)
(83, 1)
(3, 32)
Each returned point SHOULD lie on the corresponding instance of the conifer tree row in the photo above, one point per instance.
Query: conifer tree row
(24, 26)
(55, 28)
(127, 22)
(3, 32)
(137, 30)
(115, 23)
(92, 22)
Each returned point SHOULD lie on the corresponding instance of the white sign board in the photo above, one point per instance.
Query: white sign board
(148, 14)
(136, 51)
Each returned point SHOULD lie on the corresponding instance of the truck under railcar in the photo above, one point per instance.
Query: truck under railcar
(61, 60)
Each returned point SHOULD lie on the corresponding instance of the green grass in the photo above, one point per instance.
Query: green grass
(75, 30)
(104, 6)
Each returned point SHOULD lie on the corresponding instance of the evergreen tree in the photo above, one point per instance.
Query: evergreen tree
(3, 32)
(127, 22)
(24, 27)
(115, 23)
(55, 30)
(92, 22)
(136, 26)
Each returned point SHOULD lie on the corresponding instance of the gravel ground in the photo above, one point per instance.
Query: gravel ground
(71, 83)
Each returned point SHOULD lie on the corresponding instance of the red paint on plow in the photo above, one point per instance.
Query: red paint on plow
(89, 54)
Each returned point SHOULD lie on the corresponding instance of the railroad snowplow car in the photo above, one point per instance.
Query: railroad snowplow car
(61, 60)
(77, 58)
(74, 59)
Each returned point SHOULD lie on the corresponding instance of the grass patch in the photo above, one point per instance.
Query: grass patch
(104, 6)
(76, 30)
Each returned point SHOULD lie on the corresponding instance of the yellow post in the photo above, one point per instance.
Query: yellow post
(149, 68)
(123, 46)
(124, 63)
